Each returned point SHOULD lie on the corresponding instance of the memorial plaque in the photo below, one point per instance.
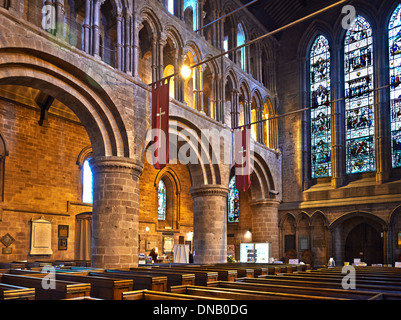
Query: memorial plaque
(7, 240)
(41, 237)
(7, 250)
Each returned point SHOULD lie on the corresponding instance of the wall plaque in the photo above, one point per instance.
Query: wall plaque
(41, 237)
(7, 240)
(7, 250)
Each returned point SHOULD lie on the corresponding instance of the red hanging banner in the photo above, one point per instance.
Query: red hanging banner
(160, 122)
(242, 158)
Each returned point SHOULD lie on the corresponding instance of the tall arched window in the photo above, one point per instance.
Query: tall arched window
(3, 155)
(170, 6)
(395, 88)
(240, 42)
(233, 202)
(191, 13)
(162, 201)
(359, 97)
(321, 113)
(87, 183)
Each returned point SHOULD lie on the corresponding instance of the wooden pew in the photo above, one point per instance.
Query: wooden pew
(241, 270)
(173, 279)
(325, 292)
(319, 284)
(245, 294)
(12, 265)
(157, 295)
(223, 274)
(141, 281)
(257, 270)
(202, 278)
(12, 292)
(359, 275)
(338, 279)
(106, 288)
(85, 298)
(63, 289)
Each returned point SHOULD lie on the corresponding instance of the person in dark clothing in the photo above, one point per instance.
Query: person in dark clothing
(153, 254)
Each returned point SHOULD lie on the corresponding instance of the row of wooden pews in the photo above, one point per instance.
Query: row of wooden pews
(199, 282)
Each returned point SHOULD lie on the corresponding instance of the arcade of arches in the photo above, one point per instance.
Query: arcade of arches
(75, 108)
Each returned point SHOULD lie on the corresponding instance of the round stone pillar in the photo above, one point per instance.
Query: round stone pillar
(115, 218)
(265, 224)
(210, 224)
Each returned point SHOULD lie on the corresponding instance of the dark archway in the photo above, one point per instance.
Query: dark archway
(364, 242)
(355, 233)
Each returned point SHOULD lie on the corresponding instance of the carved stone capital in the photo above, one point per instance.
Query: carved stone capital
(265, 203)
(209, 190)
(116, 165)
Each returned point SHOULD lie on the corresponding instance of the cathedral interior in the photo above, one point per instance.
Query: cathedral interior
(320, 92)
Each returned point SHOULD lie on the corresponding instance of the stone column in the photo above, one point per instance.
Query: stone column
(119, 21)
(382, 111)
(87, 26)
(234, 108)
(210, 223)
(115, 212)
(265, 223)
(60, 12)
(127, 44)
(337, 125)
(135, 46)
(96, 29)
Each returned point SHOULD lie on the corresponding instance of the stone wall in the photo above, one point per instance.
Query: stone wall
(41, 174)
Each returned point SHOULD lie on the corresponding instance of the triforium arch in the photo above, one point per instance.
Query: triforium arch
(359, 234)
(244, 102)
(231, 89)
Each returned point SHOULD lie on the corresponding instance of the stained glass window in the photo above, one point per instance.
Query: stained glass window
(233, 202)
(162, 201)
(395, 88)
(321, 112)
(87, 183)
(359, 97)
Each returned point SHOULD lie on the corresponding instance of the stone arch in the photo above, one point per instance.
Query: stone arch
(209, 88)
(86, 97)
(394, 235)
(315, 29)
(173, 186)
(172, 32)
(244, 102)
(264, 184)
(319, 238)
(148, 15)
(341, 228)
(3, 155)
(204, 172)
(287, 230)
(256, 114)
(368, 12)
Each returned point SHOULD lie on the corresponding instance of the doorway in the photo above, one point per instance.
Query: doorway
(364, 242)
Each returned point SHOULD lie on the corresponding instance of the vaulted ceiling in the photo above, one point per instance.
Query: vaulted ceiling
(273, 14)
